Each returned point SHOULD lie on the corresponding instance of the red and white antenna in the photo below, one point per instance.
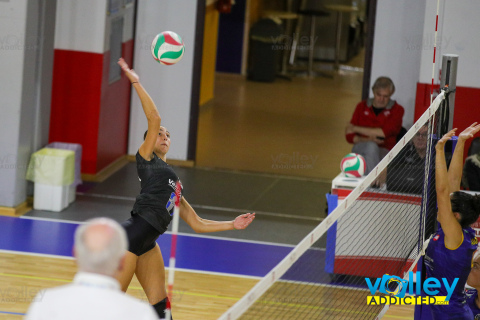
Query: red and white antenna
(173, 251)
(434, 51)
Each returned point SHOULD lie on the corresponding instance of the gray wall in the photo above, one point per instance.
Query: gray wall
(26, 61)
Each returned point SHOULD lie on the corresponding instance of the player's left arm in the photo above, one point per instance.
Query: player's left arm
(200, 225)
(450, 225)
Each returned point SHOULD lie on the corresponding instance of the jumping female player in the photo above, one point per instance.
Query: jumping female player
(449, 252)
(153, 207)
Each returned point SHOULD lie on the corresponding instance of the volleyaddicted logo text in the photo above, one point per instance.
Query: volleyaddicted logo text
(398, 287)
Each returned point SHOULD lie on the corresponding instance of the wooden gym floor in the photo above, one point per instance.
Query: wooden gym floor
(286, 127)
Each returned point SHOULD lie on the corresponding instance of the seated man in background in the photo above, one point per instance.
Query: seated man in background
(375, 124)
(100, 247)
(405, 172)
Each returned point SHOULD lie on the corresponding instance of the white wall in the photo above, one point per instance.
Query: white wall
(76, 34)
(128, 14)
(13, 17)
(169, 86)
(459, 27)
(397, 49)
(26, 51)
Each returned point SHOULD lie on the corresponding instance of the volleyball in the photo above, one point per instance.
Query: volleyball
(353, 165)
(167, 48)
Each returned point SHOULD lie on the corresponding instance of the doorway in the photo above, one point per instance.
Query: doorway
(293, 128)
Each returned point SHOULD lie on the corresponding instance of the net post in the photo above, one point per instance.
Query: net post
(449, 79)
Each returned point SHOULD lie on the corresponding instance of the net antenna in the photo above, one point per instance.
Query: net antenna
(173, 251)
(434, 50)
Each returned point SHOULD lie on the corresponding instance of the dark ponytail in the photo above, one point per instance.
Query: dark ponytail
(476, 202)
(467, 205)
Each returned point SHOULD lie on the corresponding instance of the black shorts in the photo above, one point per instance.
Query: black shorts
(141, 235)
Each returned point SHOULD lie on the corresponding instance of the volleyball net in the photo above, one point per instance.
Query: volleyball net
(378, 228)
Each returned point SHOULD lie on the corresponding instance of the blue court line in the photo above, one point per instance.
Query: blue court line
(14, 313)
(196, 253)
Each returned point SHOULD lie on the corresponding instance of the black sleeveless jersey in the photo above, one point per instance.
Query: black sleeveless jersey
(156, 200)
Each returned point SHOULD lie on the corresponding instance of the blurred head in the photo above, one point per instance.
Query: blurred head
(162, 145)
(100, 246)
(473, 279)
(420, 139)
(466, 207)
(383, 88)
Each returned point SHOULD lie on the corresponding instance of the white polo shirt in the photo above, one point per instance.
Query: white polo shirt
(90, 296)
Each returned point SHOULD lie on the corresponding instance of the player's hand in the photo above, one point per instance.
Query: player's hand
(131, 75)
(441, 143)
(469, 132)
(243, 220)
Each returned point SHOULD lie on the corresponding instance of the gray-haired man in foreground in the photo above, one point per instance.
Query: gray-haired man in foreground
(100, 247)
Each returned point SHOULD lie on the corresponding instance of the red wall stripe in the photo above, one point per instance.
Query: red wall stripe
(374, 267)
(466, 106)
(86, 109)
(75, 107)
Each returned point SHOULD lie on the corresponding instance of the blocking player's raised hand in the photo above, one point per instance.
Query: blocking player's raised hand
(447, 136)
(469, 132)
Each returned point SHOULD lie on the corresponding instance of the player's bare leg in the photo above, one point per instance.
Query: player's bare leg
(150, 272)
(126, 274)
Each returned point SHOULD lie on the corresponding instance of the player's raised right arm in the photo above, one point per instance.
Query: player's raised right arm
(151, 112)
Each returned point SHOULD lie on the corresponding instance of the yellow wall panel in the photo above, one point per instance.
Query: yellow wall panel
(209, 57)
